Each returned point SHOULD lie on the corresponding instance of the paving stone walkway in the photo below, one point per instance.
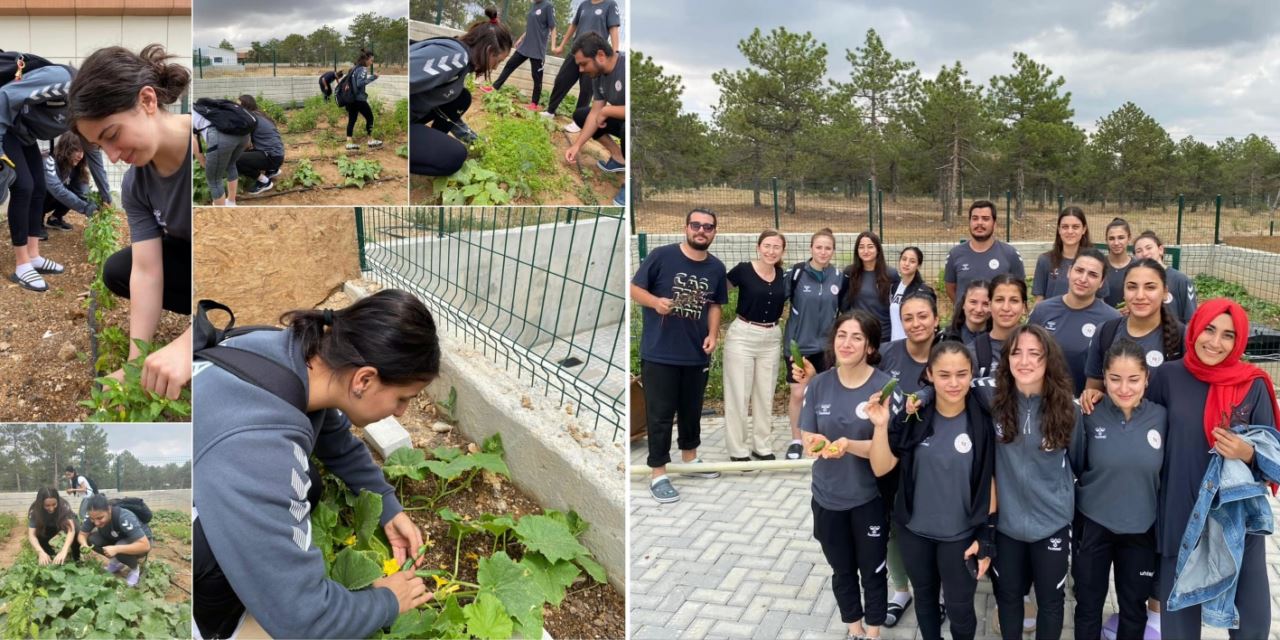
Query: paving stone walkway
(736, 558)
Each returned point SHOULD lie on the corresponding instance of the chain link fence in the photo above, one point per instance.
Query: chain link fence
(537, 290)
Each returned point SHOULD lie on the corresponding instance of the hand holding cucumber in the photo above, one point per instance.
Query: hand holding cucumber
(878, 404)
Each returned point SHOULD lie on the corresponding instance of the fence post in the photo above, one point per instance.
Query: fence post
(440, 228)
(506, 6)
(880, 206)
(200, 62)
(871, 206)
(275, 57)
(439, 11)
(1181, 202)
(1217, 219)
(642, 245)
(364, 265)
(1273, 227)
(777, 222)
(1008, 217)
(1061, 201)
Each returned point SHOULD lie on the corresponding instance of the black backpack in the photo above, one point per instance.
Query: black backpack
(345, 93)
(92, 485)
(251, 367)
(135, 505)
(9, 61)
(226, 116)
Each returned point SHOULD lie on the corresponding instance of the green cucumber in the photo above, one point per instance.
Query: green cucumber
(887, 391)
(818, 447)
(796, 357)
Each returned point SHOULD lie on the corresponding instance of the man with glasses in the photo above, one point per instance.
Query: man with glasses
(681, 287)
(982, 257)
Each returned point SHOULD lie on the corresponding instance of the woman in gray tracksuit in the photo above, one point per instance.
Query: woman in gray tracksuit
(361, 75)
(438, 96)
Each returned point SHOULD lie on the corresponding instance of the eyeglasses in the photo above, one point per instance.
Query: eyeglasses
(702, 226)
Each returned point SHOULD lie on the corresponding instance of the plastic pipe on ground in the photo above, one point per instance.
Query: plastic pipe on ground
(754, 465)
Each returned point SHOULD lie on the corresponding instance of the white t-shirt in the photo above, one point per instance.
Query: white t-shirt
(895, 314)
(83, 483)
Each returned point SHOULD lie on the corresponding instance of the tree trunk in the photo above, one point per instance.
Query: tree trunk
(755, 192)
(955, 174)
(791, 197)
(893, 181)
(1022, 188)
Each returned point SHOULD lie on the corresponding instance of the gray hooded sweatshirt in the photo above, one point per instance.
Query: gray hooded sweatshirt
(252, 454)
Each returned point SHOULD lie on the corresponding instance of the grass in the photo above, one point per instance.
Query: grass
(1260, 311)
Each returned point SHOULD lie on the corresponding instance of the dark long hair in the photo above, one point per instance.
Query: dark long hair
(1125, 348)
(390, 331)
(1058, 412)
(927, 298)
(109, 81)
(66, 146)
(363, 57)
(1170, 328)
(487, 41)
(59, 515)
(1055, 254)
(958, 320)
(855, 269)
(249, 102)
(870, 326)
(919, 261)
(98, 502)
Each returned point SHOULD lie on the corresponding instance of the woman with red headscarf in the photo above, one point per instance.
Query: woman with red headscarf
(1207, 392)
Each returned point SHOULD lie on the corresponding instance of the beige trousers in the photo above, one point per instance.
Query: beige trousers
(752, 356)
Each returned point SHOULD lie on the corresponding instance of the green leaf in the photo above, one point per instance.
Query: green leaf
(487, 619)
(512, 584)
(80, 623)
(446, 453)
(405, 463)
(493, 444)
(552, 578)
(451, 619)
(592, 568)
(413, 624)
(128, 610)
(495, 525)
(354, 569)
(491, 462)
(550, 537)
(368, 513)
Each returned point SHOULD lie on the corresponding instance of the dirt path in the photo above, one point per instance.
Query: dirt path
(44, 337)
(178, 555)
(12, 545)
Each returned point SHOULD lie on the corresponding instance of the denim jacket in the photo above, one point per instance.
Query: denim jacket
(1232, 503)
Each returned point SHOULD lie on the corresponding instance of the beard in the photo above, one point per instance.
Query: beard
(981, 238)
(698, 246)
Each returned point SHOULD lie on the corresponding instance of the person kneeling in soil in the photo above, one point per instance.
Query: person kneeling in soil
(328, 79)
(608, 112)
(118, 101)
(49, 515)
(266, 149)
(438, 95)
(118, 534)
(254, 479)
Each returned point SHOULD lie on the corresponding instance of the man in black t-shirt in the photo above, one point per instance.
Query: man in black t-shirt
(681, 287)
(605, 119)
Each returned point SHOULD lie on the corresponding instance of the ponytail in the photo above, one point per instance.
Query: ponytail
(488, 42)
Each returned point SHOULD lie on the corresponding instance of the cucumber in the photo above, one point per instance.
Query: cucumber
(887, 391)
(818, 447)
(796, 357)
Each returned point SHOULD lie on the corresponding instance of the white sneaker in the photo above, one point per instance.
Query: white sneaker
(374, 143)
(572, 127)
(544, 114)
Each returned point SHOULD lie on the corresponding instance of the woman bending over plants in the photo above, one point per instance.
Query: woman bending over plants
(438, 93)
(117, 101)
(256, 482)
(49, 515)
(118, 534)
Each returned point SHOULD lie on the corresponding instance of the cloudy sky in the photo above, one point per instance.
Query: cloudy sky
(150, 443)
(1207, 69)
(243, 21)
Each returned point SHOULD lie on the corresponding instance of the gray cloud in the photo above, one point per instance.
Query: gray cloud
(243, 21)
(1210, 70)
(151, 443)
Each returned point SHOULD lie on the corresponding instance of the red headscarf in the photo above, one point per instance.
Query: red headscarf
(1229, 381)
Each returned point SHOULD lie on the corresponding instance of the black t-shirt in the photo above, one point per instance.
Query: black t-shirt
(693, 286)
(758, 301)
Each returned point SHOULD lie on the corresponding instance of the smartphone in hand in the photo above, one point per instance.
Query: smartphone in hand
(971, 563)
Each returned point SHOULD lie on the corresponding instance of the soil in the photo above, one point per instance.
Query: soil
(178, 555)
(589, 610)
(45, 365)
(918, 219)
(1261, 243)
(583, 179)
(391, 190)
(12, 544)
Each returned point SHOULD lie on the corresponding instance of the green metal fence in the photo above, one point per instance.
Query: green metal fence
(537, 290)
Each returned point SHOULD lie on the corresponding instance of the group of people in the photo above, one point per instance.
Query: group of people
(1097, 435)
(438, 97)
(114, 102)
(108, 529)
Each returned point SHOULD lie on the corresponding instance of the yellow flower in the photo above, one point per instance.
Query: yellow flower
(472, 556)
(440, 582)
(390, 566)
(445, 591)
(351, 539)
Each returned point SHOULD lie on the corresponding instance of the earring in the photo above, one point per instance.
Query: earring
(358, 393)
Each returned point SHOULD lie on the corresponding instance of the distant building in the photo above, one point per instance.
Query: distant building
(219, 57)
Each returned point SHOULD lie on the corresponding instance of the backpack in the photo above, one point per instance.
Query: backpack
(251, 367)
(982, 345)
(92, 485)
(345, 93)
(226, 116)
(135, 505)
(10, 60)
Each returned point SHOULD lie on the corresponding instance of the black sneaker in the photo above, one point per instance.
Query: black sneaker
(736, 459)
(261, 187)
(464, 133)
(763, 457)
(794, 451)
(894, 612)
(58, 223)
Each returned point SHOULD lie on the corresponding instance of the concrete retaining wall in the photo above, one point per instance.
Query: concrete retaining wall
(291, 90)
(536, 303)
(175, 499)
(520, 78)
